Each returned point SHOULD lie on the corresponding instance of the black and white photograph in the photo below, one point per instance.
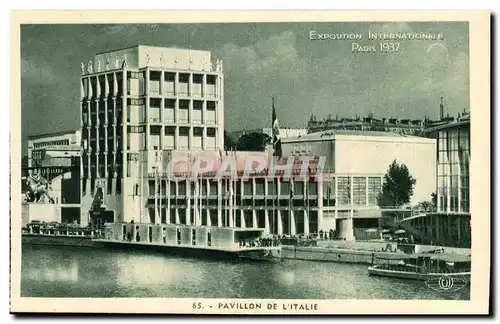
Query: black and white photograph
(251, 167)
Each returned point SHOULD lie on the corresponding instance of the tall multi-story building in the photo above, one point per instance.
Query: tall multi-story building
(136, 104)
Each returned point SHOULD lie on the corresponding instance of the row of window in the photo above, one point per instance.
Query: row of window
(49, 143)
(182, 77)
(170, 130)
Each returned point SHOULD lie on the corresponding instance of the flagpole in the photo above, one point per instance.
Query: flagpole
(290, 210)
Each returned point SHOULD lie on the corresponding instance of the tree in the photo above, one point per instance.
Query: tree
(229, 144)
(253, 142)
(434, 199)
(428, 205)
(398, 186)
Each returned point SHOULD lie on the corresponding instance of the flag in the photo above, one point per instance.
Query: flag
(276, 134)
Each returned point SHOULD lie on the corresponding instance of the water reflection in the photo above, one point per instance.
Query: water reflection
(80, 272)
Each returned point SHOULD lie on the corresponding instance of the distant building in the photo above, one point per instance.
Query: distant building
(370, 123)
(57, 145)
(406, 126)
(284, 132)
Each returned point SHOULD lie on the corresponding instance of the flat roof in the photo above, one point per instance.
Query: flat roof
(60, 148)
(329, 134)
(40, 136)
(448, 125)
(150, 46)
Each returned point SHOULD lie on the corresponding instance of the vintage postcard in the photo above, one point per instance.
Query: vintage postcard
(250, 162)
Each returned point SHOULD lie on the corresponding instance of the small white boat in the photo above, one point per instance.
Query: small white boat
(423, 266)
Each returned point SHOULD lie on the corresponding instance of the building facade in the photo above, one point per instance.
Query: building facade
(136, 104)
(453, 162)
(66, 143)
(280, 203)
(371, 153)
(450, 223)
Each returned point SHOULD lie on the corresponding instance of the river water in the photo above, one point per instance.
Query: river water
(85, 272)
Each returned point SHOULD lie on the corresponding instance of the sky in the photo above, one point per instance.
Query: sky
(262, 60)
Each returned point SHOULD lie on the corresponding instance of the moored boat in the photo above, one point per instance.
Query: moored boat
(422, 266)
(53, 233)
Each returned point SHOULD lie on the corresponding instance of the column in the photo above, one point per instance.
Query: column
(188, 202)
(459, 176)
(367, 200)
(336, 201)
(146, 84)
(155, 192)
(219, 202)
(267, 225)
(204, 85)
(320, 190)
(161, 83)
(190, 85)
(448, 192)
(306, 221)
(177, 218)
(204, 137)
(255, 224)
(242, 219)
(293, 230)
(209, 219)
(176, 83)
(280, 224)
(190, 136)
(167, 196)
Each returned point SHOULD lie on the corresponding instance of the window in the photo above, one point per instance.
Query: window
(344, 190)
(197, 105)
(183, 77)
(184, 131)
(197, 78)
(169, 76)
(198, 131)
(211, 79)
(359, 188)
(170, 131)
(374, 189)
(155, 130)
(210, 132)
(183, 104)
(135, 129)
(211, 105)
(170, 103)
(136, 102)
(155, 102)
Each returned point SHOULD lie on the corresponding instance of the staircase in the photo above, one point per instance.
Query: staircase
(388, 221)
